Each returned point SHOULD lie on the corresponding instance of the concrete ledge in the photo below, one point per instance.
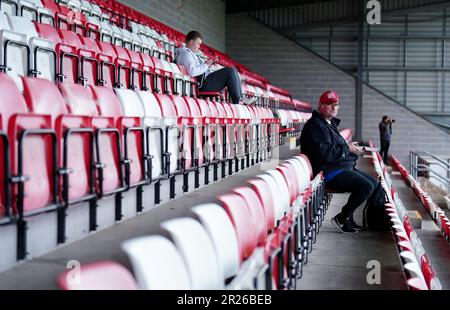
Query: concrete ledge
(416, 219)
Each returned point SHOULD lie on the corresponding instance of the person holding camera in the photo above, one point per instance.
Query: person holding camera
(385, 128)
(208, 80)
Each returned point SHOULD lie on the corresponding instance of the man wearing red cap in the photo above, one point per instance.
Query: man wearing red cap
(328, 151)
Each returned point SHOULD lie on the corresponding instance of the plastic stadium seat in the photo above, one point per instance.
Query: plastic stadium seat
(107, 63)
(155, 135)
(35, 187)
(198, 252)
(81, 101)
(221, 230)
(171, 129)
(16, 41)
(124, 70)
(256, 210)
(210, 128)
(134, 141)
(283, 196)
(105, 275)
(157, 264)
(241, 217)
(187, 124)
(197, 116)
(266, 199)
(279, 203)
(291, 180)
(77, 157)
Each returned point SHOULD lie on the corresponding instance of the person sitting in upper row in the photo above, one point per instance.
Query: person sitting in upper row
(208, 80)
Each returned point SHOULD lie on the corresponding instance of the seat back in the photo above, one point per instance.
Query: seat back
(104, 275)
(198, 252)
(284, 195)
(256, 210)
(171, 128)
(107, 64)
(36, 93)
(187, 133)
(107, 102)
(79, 99)
(291, 180)
(123, 67)
(240, 216)
(134, 146)
(155, 138)
(279, 204)
(306, 163)
(266, 198)
(209, 135)
(195, 113)
(302, 174)
(68, 58)
(219, 227)
(157, 264)
(15, 46)
(38, 159)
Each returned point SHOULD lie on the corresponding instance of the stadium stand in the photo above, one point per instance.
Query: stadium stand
(98, 125)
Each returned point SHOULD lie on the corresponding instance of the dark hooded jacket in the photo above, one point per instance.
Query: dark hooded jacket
(326, 149)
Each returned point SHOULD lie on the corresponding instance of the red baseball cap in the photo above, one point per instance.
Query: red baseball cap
(329, 97)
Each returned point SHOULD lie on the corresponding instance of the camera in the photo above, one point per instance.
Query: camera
(392, 120)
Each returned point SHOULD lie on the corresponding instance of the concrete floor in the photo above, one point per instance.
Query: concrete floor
(434, 243)
(338, 261)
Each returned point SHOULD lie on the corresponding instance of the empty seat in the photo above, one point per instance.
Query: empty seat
(198, 252)
(241, 217)
(108, 157)
(220, 229)
(157, 264)
(105, 275)
(283, 196)
(280, 203)
(172, 131)
(34, 182)
(266, 199)
(77, 156)
(155, 134)
(256, 210)
(134, 138)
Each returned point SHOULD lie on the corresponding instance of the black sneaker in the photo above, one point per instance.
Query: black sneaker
(345, 228)
(355, 226)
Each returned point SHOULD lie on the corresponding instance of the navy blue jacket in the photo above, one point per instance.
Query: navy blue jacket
(326, 149)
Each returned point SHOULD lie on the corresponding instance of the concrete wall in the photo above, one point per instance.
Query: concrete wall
(205, 16)
(307, 76)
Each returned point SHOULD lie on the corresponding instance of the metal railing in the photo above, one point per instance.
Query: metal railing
(424, 163)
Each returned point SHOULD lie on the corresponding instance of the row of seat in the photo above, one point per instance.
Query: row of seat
(416, 263)
(93, 142)
(85, 59)
(257, 236)
(436, 213)
(140, 24)
(67, 56)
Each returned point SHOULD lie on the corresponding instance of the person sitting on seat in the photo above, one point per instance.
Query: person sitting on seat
(328, 151)
(208, 79)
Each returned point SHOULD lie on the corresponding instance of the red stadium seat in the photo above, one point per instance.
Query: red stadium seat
(105, 275)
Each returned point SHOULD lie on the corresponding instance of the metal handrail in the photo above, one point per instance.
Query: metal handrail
(416, 167)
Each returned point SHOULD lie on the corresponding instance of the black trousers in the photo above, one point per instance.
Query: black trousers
(360, 184)
(385, 144)
(226, 77)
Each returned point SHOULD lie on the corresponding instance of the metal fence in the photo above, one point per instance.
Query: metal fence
(424, 164)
